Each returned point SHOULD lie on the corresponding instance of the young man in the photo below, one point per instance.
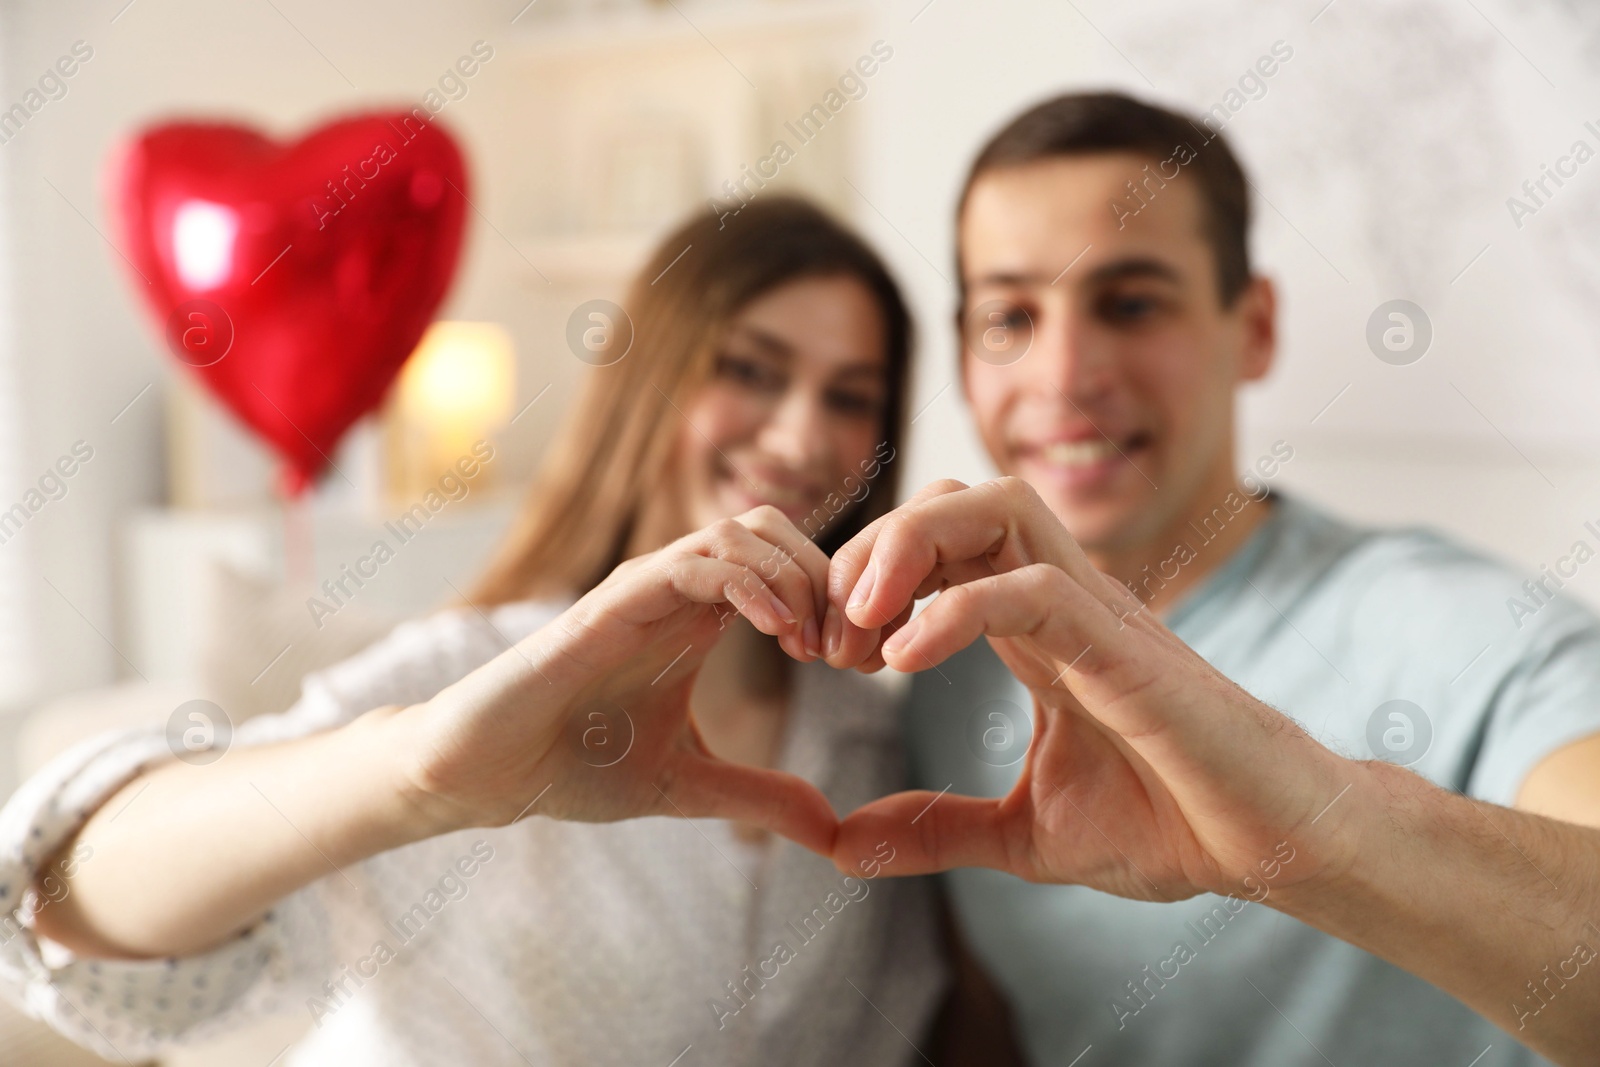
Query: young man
(1194, 860)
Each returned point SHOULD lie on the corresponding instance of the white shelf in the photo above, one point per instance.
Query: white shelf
(167, 555)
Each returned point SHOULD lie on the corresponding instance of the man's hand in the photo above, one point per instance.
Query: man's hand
(1150, 775)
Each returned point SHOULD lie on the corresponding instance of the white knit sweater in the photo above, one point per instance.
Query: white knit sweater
(650, 942)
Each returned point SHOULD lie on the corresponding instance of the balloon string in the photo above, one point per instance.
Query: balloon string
(299, 542)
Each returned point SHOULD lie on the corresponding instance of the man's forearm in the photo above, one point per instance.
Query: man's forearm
(1497, 907)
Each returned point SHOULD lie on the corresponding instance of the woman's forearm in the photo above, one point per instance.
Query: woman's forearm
(1498, 907)
(185, 856)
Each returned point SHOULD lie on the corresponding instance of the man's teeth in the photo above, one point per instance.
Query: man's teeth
(1078, 453)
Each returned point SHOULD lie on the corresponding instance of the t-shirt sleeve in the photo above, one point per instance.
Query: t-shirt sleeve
(124, 1009)
(1548, 698)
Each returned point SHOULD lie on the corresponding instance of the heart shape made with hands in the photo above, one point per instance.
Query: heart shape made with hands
(617, 678)
(1131, 783)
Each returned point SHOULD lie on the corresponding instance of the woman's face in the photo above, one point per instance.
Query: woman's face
(794, 410)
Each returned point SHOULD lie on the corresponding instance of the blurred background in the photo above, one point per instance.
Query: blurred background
(1384, 152)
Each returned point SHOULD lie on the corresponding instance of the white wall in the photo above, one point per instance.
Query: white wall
(1384, 151)
(1386, 147)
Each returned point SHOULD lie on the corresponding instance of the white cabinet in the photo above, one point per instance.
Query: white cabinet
(167, 557)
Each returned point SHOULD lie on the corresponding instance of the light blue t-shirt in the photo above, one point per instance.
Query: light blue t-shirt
(1329, 624)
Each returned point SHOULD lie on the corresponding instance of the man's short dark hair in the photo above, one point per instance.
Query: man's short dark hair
(1079, 124)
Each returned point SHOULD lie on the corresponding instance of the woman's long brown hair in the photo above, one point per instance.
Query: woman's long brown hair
(586, 499)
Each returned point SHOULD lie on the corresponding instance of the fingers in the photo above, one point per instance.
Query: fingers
(654, 591)
(874, 660)
(944, 537)
(715, 580)
(1039, 600)
(925, 832)
(781, 557)
(851, 639)
(707, 787)
(845, 569)
(798, 549)
(853, 580)
(768, 579)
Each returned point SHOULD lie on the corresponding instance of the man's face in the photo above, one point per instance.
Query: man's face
(1120, 413)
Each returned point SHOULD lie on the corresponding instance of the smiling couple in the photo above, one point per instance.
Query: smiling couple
(1424, 903)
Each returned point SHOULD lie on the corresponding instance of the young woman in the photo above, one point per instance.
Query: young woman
(423, 855)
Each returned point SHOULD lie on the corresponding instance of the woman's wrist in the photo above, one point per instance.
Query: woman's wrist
(406, 810)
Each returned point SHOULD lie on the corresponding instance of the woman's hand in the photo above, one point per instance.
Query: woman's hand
(588, 719)
(1150, 775)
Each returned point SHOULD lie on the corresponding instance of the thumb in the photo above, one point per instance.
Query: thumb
(711, 788)
(928, 832)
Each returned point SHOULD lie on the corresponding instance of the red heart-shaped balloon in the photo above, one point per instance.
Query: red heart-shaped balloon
(294, 278)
